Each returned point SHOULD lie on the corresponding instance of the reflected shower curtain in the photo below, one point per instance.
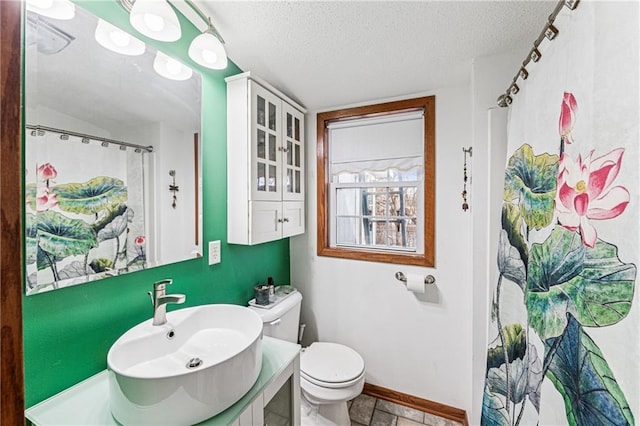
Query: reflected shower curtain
(564, 332)
(84, 211)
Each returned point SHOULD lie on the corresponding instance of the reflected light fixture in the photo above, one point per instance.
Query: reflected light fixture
(155, 19)
(207, 49)
(170, 68)
(56, 9)
(113, 38)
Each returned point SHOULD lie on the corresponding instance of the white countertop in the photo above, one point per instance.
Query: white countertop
(87, 403)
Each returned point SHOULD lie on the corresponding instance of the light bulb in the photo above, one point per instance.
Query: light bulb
(153, 21)
(113, 38)
(209, 56)
(173, 66)
(170, 68)
(208, 51)
(119, 38)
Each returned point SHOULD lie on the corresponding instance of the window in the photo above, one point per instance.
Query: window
(376, 182)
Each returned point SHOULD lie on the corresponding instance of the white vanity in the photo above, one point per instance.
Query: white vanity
(273, 398)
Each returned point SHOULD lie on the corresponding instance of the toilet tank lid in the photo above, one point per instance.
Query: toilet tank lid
(331, 363)
(277, 311)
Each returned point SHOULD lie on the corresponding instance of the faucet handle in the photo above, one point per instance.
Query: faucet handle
(160, 285)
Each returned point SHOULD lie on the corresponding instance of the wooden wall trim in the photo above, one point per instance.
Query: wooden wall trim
(435, 408)
(11, 367)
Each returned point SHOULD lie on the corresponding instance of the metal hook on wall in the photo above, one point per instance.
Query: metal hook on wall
(465, 151)
(173, 188)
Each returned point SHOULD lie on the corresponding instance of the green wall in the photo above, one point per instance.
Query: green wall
(68, 332)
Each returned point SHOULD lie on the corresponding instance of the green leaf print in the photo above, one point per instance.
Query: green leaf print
(531, 181)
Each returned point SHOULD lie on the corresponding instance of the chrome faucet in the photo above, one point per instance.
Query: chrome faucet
(159, 298)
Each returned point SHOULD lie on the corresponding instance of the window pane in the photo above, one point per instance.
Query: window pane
(272, 116)
(289, 126)
(297, 156)
(273, 180)
(297, 130)
(261, 144)
(262, 177)
(380, 233)
(289, 153)
(347, 230)
(297, 182)
(261, 111)
(272, 147)
(289, 180)
(348, 202)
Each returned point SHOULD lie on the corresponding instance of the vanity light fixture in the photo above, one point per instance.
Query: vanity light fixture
(207, 49)
(514, 89)
(56, 9)
(113, 38)
(170, 68)
(86, 140)
(64, 137)
(123, 148)
(155, 19)
(105, 144)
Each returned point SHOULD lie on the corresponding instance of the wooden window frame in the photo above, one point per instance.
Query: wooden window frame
(426, 104)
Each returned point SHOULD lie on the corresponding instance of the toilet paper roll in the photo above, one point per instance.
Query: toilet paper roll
(415, 283)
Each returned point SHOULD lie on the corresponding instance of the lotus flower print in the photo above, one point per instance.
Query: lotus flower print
(585, 192)
(568, 111)
(45, 200)
(139, 240)
(46, 171)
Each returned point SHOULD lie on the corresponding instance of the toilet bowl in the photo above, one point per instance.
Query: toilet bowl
(330, 373)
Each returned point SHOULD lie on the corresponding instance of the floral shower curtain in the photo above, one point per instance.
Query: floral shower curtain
(565, 329)
(84, 211)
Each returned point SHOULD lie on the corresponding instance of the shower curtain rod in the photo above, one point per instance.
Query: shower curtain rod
(550, 32)
(85, 137)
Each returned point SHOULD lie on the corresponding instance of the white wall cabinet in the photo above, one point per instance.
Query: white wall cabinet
(265, 162)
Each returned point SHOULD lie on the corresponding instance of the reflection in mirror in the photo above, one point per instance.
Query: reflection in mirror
(112, 146)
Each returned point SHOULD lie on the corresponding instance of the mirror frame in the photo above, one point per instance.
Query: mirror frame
(11, 205)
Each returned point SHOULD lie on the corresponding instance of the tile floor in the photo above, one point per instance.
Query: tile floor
(367, 410)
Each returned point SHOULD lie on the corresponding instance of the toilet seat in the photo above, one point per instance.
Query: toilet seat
(331, 365)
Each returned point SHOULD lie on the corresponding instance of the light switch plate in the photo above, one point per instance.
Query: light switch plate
(214, 252)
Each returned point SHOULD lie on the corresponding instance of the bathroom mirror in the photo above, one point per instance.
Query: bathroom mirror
(112, 164)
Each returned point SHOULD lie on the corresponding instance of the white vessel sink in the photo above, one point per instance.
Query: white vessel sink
(199, 363)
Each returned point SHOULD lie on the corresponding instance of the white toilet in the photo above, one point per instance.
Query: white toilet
(330, 374)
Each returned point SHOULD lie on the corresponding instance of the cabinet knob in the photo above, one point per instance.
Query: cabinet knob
(280, 220)
(286, 219)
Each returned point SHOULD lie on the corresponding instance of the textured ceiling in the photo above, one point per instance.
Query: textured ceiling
(327, 54)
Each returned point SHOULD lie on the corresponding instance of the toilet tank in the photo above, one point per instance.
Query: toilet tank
(282, 320)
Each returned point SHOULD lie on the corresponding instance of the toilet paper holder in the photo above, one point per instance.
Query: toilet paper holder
(429, 279)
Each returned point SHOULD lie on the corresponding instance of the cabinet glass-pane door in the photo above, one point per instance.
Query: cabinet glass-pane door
(266, 134)
(293, 145)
